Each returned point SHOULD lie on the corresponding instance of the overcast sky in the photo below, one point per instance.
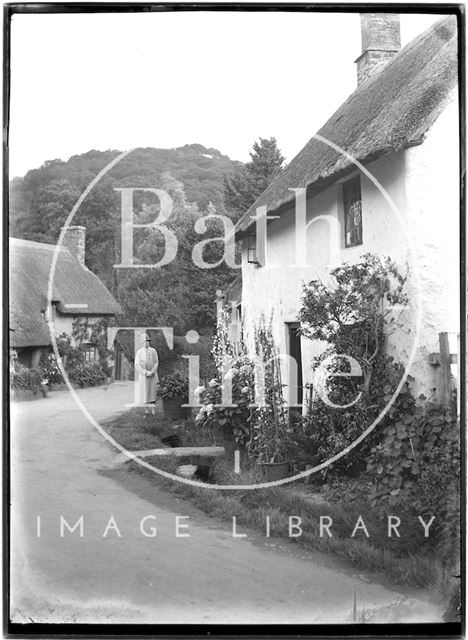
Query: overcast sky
(118, 81)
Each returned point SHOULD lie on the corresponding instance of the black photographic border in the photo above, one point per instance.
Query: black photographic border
(67, 630)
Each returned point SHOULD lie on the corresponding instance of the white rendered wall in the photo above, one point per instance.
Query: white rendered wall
(64, 324)
(423, 185)
(433, 182)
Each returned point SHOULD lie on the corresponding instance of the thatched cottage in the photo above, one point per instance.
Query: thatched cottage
(402, 125)
(77, 293)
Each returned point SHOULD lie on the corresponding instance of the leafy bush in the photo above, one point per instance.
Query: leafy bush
(26, 379)
(87, 374)
(270, 434)
(95, 332)
(50, 369)
(80, 371)
(352, 315)
(67, 351)
(411, 462)
(233, 420)
(174, 385)
(324, 432)
(261, 429)
(355, 313)
(416, 467)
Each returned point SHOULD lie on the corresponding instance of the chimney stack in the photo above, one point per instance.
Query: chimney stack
(380, 37)
(74, 240)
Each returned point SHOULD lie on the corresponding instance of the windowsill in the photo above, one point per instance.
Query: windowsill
(350, 246)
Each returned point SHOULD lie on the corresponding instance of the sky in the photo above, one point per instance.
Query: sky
(221, 79)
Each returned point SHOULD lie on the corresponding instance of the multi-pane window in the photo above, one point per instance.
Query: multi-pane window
(90, 352)
(252, 249)
(352, 206)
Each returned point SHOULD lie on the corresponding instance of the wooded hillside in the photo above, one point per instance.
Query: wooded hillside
(179, 294)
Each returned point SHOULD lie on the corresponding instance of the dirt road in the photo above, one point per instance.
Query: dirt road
(61, 466)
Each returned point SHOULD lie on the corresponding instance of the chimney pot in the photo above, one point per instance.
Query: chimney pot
(380, 38)
(75, 241)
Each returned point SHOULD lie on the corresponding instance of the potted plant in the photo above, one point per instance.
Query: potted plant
(173, 390)
(276, 470)
(231, 423)
(269, 443)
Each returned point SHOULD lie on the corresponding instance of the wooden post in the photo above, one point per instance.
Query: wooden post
(458, 375)
(445, 380)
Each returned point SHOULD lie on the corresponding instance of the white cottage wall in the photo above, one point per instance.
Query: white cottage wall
(64, 324)
(422, 182)
(277, 287)
(433, 196)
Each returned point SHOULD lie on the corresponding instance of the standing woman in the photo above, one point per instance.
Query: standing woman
(146, 368)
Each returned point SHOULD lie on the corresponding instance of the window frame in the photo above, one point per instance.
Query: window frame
(88, 346)
(352, 194)
(252, 257)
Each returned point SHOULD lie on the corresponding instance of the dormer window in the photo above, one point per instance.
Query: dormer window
(352, 207)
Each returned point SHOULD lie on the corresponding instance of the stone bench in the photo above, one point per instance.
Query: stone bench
(194, 455)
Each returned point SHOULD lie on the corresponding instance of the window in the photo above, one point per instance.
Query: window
(90, 352)
(252, 250)
(235, 325)
(295, 352)
(352, 206)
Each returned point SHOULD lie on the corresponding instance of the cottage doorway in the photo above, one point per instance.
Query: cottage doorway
(118, 361)
(294, 350)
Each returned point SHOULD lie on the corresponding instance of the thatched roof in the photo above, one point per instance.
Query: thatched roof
(76, 291)
(391, 110)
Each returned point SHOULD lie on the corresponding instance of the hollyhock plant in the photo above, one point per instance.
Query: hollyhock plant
(233, 414)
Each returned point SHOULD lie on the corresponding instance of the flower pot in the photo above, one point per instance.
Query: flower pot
(276, 470)
(173, 408)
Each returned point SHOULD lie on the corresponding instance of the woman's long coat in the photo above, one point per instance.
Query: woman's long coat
(146, 360)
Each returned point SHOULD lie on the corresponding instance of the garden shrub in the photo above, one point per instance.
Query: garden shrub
(258, 425)
(416, 468)
(86, 374)
(324, 432)
(80, 371)
(233, 421)
(26, 379)
(50, 369)
(174, 385)
(410, 463)
(352, 316)
(95, 332)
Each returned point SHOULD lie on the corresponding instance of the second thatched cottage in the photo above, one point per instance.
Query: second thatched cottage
(77, 295)
(381, 177)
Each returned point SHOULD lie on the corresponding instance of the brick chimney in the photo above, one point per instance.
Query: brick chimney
(380, 37)
(74, 240)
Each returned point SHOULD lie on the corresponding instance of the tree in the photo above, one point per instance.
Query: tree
(356, 311)
(243, 188)
(179, 294)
